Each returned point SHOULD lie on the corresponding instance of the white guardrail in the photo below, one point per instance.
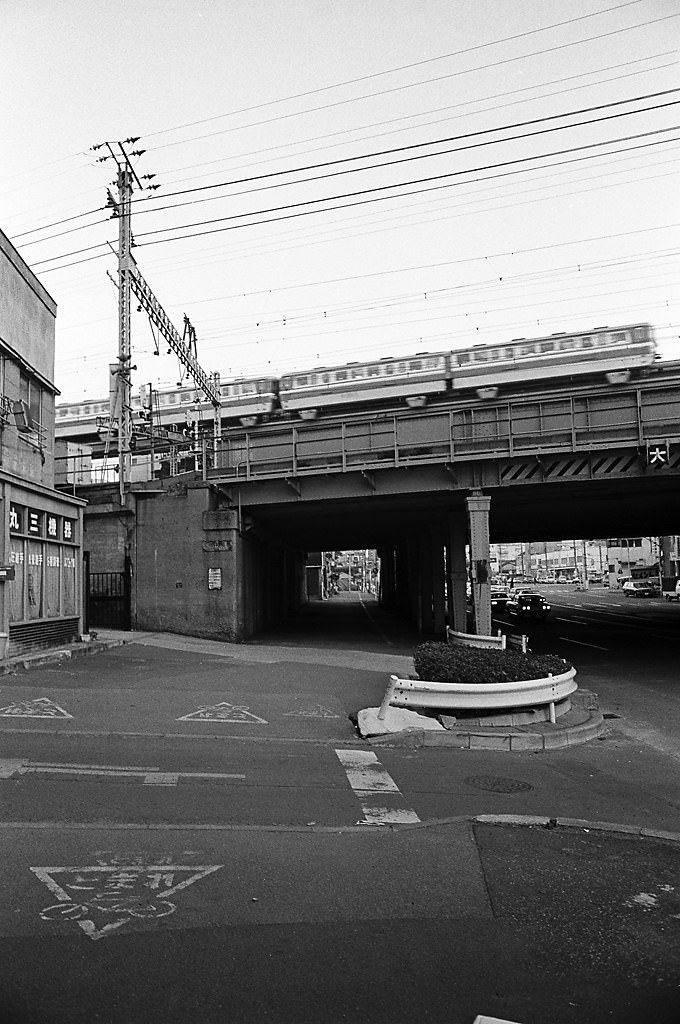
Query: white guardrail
(500, 642)
(421, 693)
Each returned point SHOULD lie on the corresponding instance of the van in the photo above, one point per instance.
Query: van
(620, 580)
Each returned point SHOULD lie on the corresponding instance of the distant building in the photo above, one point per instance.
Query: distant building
(41, 592)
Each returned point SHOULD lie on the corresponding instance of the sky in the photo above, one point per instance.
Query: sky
(341, 180)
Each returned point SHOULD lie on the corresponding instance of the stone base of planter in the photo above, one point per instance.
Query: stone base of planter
(511, 716)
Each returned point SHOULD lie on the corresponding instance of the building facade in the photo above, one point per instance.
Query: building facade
(41, 591)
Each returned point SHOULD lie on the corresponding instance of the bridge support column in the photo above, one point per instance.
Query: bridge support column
(438, 582)
(456, 571)
(403, 582)
(425, 587)
(478, 514)
(387, 595)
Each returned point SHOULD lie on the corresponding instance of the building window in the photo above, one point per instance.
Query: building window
(31, 394)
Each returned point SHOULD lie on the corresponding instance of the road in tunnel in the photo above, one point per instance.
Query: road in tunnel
(352, 620)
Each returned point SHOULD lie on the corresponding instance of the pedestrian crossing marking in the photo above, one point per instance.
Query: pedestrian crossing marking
(371, 784)
(41, 707)
(223, 712)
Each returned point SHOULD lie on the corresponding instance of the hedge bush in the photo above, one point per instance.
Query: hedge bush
(450, 663)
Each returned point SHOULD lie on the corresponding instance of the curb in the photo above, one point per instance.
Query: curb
(26, 662)
(495, 739)
(528, 820)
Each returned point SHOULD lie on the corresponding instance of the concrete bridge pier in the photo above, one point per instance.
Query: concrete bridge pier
(478, 506)
(456, 570)
(388, 577)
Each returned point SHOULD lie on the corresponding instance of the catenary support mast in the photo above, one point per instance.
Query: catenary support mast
(130, 279)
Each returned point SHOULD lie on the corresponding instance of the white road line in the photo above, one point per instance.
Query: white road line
(567, 640)
(371, 782)
(9, 768)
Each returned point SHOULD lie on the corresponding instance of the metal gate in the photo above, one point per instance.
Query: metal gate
(108, 600)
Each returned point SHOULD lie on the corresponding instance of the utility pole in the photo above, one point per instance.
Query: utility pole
(129, 280)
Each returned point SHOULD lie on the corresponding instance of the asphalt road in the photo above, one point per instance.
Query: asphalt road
(206, 837)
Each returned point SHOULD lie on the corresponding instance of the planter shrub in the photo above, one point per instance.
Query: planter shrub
(446, 663)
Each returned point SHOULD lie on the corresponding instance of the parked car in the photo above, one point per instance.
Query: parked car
(499, 599)
(672, 593)
(638, 588)
(527, 603)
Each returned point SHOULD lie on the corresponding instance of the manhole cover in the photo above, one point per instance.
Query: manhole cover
(498, 784)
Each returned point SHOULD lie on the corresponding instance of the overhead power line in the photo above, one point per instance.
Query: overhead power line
(392, 71)
(294, 209)
(373, 154)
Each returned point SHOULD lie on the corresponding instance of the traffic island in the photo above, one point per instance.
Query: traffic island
(581, 723)
(471, 700)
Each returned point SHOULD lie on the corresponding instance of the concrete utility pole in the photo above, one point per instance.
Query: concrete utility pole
(124, 182)
(129, 280)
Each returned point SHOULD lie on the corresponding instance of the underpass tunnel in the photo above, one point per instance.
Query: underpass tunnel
(423, 570)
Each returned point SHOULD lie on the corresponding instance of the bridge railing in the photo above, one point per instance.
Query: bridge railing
(572, 423)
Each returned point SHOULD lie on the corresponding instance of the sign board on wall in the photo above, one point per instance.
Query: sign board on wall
(214, 579)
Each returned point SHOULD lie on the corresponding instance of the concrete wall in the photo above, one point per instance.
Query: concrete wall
(27, 333)
(27, 312)
(193, 572)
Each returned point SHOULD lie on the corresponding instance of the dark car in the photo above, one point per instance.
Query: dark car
(499, 599)
(528, 603)
(638, 588)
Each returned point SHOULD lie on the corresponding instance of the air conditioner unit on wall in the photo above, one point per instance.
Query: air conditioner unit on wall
(22, 417)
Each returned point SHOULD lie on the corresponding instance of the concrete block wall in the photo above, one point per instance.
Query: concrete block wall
(193, 572)
(186, 565)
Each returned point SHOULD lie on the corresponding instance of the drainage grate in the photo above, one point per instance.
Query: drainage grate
(498, 784)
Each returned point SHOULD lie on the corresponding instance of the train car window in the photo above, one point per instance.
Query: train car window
(415, 365)
(464, 357)
(619, 338)
(640, 334)
(373, 371)
(340, 375)
(547, 346)
(495, 354)
(481, 355)
(172, 399)
(566, 344)
(358, 372)
(302, 381)
(587, 341)
(184, 398)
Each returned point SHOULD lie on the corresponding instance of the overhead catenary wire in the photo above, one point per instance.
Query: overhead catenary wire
(480, 135)
(390, 71)
(401, 88)
(292, 210)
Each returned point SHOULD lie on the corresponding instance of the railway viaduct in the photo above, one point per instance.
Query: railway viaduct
(221, 553)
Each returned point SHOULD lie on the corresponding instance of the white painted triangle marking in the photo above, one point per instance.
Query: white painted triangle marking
(41, 707)
(223, 712)
(312, 711)
(132, 891)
